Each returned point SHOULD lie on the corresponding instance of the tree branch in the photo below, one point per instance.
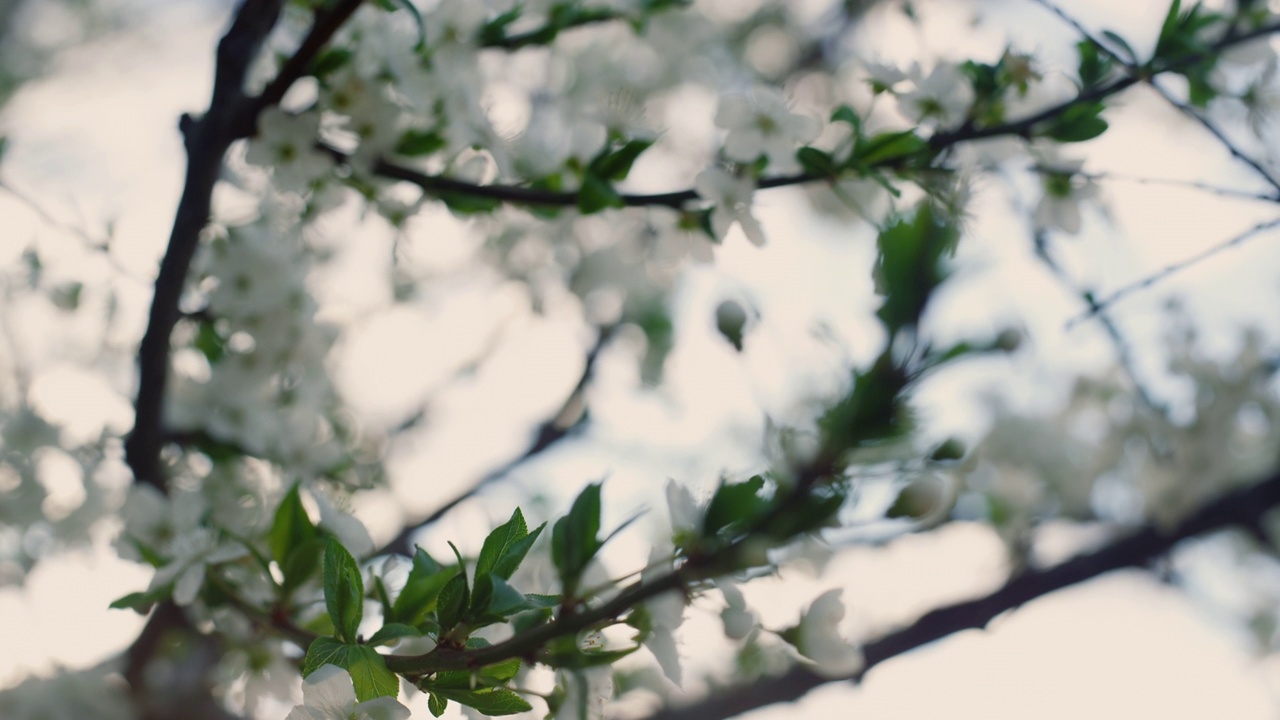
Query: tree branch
(206, 141)
(1243, 507)
(1124, 292)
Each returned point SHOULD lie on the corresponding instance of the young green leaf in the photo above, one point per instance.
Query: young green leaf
(596, 194)
(489, 701)
(453, 601)
(734, 505)
(291, 527)
(575, 537)
(368, 669)
(418, 597)
(616, 164)
(505, 548)
(343, 590)
(393, 631)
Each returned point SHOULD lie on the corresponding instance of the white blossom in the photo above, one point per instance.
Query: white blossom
(732, 198)
(1064, 190)
(352, 533)
(760, 123)
(942, 98)
(328, 694)
(286, 143)
(192, 552)
(586, 692)
(666, 613)
(820, 639)
(739, 621)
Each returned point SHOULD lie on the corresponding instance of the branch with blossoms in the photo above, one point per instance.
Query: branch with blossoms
(1243, 508)
(289, 559)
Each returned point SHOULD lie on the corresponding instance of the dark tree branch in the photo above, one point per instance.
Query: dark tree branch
(549, 433)
(206, 141)
(1243, 507)
(327, 22)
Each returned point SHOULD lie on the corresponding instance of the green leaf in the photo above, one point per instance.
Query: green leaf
(890, 146)
(495, 31)
(393, 631)
(209, 342)
(140, 602)
(1094, 66)
(596, 194)
(911, 263)
(301, 563)
(845, 114)
(1122, 45)
(330, 60)
(481, 595)
(370, 674)
(734, 505)
(500, 544)
(489, 676)
(468, 204)
(616, 164)
(489, 701)
(291, 527)
(416, 143)
(343, 590)
(817, 162)
(367, 668)
(1078, 123)
(575, 537)
(453, 601)
(420, 590)
(436, 704)
(1169, 27)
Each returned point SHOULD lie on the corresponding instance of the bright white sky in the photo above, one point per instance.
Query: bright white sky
(98, 141)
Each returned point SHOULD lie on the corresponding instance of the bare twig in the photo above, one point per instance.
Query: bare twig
(1123, 351)
(1124, 292)
(1220, 136)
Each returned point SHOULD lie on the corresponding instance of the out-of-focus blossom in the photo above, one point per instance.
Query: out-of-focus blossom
(760, 123)
(328, 694)
(941, 99)
(819, 638)
(732, 198)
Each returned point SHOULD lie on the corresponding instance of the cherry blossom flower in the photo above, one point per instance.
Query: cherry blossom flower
(286, 143)
(586, 692)
(739, 621)
(941, 98)
(328, 694)
(732, 198)
(1064, 190)
(666, 613)
(760, 123)
(193, 551)
(820, 640)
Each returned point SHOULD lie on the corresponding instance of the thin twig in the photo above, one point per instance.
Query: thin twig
(1220, 136)
(1123, 351)
(1124, 292)
(1219, 190)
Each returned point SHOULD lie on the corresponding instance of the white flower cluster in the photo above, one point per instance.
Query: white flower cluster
(265, 388)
